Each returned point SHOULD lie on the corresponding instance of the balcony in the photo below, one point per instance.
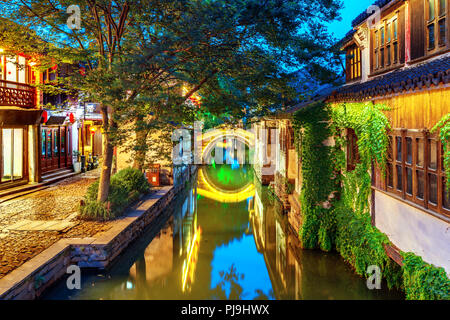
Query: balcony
(16, 94)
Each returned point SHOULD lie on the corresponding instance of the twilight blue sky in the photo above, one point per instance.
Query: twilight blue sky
(351, 9)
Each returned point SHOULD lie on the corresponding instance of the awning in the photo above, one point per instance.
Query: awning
(55, 120)
(19, 117)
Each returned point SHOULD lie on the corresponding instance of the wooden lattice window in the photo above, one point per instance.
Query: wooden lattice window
(436, 23)
(386, 44)
(353, 63)
(415, 169)
(352, 150)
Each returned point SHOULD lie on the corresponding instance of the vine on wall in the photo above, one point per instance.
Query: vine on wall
(312, 128)
(360, 243)
(370, 125)
(444, 132)
(423, 281)
(345, 224)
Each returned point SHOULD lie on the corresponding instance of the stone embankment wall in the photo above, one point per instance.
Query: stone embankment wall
(31, 279)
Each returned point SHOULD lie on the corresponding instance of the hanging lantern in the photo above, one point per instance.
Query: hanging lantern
(44, 116)
(93, 131)
(71, 118)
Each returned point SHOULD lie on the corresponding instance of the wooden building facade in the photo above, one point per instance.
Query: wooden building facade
(399, 58)
(405, 65)
(19, 120)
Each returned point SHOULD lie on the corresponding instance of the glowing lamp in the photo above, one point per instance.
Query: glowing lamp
(32, 63)
(93, 130)
(2, 50)
(44, 116)
(71, 118)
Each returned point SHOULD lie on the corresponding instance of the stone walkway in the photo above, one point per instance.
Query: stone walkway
(31, 224)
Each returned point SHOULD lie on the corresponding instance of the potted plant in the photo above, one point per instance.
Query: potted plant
(76, 161)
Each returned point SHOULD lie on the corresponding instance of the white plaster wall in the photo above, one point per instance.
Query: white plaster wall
(413, 230)
(32, 153)
(74, 136)
(365, 64)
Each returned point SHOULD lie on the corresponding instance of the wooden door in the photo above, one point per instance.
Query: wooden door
(55, 148)
(69, 146)
(63, 147)
(47, 149)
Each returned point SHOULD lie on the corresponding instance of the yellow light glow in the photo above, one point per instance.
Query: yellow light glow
(206, 190)
(191, 261)
(32, 63)
(2, 50)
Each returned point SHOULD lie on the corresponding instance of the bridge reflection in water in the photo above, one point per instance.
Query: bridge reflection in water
(225, 238)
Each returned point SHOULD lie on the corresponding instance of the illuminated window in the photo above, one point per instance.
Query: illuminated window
(353, 63)
(11, 154)
(2, 67)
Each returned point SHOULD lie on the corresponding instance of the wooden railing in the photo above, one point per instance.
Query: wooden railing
(17, 94)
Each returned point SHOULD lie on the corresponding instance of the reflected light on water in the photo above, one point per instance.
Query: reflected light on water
(190, 262)
(214, 193)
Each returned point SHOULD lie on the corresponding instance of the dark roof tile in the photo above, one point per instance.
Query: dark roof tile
(419, 76)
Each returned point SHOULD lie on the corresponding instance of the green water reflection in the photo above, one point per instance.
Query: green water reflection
(204, 248)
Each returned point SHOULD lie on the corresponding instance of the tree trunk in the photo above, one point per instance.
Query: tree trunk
(140, 144)
(108, 152)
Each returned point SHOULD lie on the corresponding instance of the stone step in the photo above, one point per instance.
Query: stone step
(13, 193)
(12, 196)
(57, 178)
(56, 173)
(48, 179)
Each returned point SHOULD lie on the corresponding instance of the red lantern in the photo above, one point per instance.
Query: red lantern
(71, 118)
(44, 116)
(83, 71)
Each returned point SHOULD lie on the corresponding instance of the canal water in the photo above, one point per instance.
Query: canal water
(225, 237)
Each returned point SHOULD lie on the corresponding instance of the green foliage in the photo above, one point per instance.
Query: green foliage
(133, 179)
(370, 125)
(357, 240)
(347, 226)
(444, 131)
(126, 186)
(423, 281)
(94, 210)
(361, 244)
(311, 126)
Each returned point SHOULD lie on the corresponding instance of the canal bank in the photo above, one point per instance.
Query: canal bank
(32, 278)
(238, 248)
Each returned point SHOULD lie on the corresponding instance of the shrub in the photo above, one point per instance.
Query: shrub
(133, 179)
(126, 186)
(423, 281)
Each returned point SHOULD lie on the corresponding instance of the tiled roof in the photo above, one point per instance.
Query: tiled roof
(55, 120)
(347, 37)
(414, 77)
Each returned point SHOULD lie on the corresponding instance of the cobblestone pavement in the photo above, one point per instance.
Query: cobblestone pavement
(57, 203)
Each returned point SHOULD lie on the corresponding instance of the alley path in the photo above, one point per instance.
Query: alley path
(31, 224)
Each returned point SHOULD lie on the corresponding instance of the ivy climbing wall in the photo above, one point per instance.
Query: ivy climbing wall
(335, 202)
